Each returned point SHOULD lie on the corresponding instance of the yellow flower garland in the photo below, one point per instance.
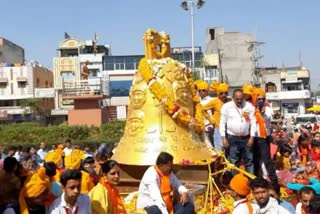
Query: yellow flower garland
(174, 110)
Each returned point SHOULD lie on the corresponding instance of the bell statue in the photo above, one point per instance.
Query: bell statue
(164, 111)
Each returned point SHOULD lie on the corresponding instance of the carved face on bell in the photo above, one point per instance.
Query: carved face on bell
(137, 98)
(135, 123)
(183, 96)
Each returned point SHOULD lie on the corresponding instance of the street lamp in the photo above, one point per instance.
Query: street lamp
(189, 5)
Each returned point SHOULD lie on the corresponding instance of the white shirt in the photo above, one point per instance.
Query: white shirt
(299, 208)
(240, 207)
(233, 120)
(67, 151)
(271, 208)
(82, 206)
(149, 190)
(203, 102)
(42, 153)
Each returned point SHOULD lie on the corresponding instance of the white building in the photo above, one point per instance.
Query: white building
(287, 89)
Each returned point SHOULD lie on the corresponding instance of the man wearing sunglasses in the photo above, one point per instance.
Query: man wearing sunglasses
(261, 148)
(215, 106)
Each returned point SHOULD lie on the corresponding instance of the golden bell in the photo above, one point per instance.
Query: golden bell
(150, 129)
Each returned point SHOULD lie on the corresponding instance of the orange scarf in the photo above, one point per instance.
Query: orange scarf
(165, 189)
(304, 154)
(260, 121)
(115, 197)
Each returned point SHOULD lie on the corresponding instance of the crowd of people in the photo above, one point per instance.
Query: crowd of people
(243, 129)
(68, 179)
(71, 180)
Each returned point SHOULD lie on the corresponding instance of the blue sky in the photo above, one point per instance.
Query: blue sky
(288, 27)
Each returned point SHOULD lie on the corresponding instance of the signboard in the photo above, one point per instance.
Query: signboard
(197, 49)
(290, 105)
(44, 92)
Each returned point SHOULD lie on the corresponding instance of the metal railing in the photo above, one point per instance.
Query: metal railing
(95, 86)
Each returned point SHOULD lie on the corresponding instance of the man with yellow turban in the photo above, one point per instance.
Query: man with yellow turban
(203, 88)
(34, 194)
(215, 106)
(240, 187)
(73, 161)
(55, 157)
(263, 165)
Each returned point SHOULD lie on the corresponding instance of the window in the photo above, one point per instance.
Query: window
(212, 33)
(271, 87)
(120, 88)
(3, 84)
(47, 84)
(38, 82)
(93, 73)
(22, 84)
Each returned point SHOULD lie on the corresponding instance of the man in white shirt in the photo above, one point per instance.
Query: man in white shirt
(156, 188)
(237, 129)
(305, 195)
(71, 201)
(68, 147)
(42, 152)
(265, 203)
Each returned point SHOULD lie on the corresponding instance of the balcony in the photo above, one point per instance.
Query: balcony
(288, 95)
(15, 110)
(91, 87)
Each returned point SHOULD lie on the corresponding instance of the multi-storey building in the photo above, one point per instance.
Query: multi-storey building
(18, 84)
(287, 89)
(10, 53)
(230, 57)
(72, 56)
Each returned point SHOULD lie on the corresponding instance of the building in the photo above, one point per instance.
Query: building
(230, 57)
(18, 84)
(10, 53)
(72, 56)
(287, 89)
(80, 86)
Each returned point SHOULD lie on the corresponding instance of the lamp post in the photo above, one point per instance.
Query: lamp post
(189, 5)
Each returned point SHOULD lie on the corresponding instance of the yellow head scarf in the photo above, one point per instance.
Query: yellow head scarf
(248, 89)
(201, 85)
(55, 156)
(73, 161)
(34, 186)
(219, 87)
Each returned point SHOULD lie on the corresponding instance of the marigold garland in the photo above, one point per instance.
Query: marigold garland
(173, 109)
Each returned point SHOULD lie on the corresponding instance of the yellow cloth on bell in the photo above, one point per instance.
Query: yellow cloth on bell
(215, 106)
(100, 200)
(34, 185)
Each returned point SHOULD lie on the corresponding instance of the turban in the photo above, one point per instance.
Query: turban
(259, 92)
(219, 87)
(73, 161)
(55, 156)
(201, 85)
(240, 184)
(34, 186)
(222, 87)
(248, 89)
